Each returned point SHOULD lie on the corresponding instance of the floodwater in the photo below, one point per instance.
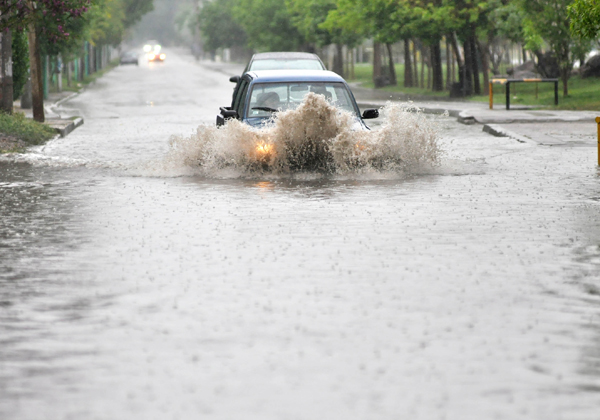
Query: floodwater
(134, 285)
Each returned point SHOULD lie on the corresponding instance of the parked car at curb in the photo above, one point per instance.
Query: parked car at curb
(130, 57)
(262, 93)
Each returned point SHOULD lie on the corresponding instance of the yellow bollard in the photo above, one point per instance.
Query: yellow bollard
(598, 122)
(491, 96)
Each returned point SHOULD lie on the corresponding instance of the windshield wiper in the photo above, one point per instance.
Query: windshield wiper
(265, 108)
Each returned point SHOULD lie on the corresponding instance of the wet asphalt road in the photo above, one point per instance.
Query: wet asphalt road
(466, 291)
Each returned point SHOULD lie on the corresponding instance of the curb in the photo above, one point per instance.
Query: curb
(499, 131)
(64, 126)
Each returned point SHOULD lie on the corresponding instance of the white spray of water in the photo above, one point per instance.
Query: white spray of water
(315, 137)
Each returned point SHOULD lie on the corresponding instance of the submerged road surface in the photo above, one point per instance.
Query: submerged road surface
(470, 290)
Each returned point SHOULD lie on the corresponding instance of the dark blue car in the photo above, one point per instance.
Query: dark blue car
(259, 94)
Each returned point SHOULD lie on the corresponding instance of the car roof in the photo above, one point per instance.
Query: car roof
(269, 76)
(285, 55)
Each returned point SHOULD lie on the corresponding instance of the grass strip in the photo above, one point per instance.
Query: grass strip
(584, 94)
(21, 130)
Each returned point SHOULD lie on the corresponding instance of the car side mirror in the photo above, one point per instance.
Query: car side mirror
(227, 112)
(234, 79)
(370, 114)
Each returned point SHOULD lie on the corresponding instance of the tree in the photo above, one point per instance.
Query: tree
(20, 57)
(6, 104)
(134, 10)
(504, 22)
(268, 24)
(430, 20)
(547, 21)
(312, 18)
(584, 18)
(346, 26)
(218, 26)
(29, 14)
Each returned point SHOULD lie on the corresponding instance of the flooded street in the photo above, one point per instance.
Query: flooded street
(133, 289)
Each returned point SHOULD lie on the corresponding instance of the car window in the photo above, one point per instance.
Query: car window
(240, 99)
(266, 97)
(275, 64)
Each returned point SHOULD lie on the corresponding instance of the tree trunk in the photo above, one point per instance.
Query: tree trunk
(393, 79)
(467, 70)
(422, 84)
(437, 84)
(485, 66)
(456, 48)
(408, 78)
(26, 95)
(376, 63)
(338, 60)
(448, 66)
(452, 66)
(475, 65)
(428, 62)
(6, 72)
(35, 63)
(416, 64)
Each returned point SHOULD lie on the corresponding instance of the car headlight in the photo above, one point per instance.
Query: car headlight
(163, 56)
(263, 150)
(151, 56)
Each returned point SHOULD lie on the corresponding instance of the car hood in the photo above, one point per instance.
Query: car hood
(358, 125)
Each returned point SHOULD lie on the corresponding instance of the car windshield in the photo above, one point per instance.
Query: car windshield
(267, 98)
(279, 64)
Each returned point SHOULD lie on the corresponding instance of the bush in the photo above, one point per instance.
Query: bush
(29, 131)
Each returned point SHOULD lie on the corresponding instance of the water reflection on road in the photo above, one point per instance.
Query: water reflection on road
(466, 291)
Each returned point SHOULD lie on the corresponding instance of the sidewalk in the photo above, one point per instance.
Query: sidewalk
(62, 125)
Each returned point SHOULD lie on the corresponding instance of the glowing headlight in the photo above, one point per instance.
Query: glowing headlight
(263, 149)
(147, 48)
(163, 56)
(151, 56)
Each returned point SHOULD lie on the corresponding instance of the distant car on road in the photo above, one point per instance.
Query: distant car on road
(130, 57)
(282, 60)
(153, 51)
(285, 61)
(151, 46)
(156, 56)
(262, 93)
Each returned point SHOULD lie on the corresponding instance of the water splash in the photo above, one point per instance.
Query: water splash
(315, 137)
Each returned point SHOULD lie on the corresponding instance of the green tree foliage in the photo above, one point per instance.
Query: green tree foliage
(219, 27)
(312, 18)
(268, 24)
(584, 18)
(18, 14)
(134, 10)
(547, 21)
